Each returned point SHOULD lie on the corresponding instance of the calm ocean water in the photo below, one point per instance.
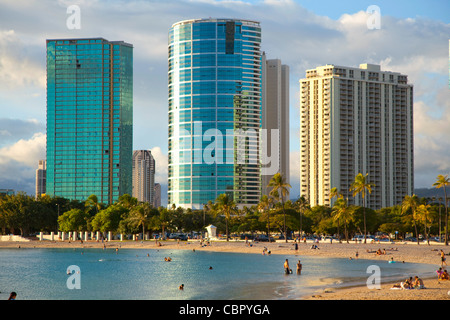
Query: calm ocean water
(130, 274)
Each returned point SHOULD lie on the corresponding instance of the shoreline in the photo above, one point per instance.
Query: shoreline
(407, 252)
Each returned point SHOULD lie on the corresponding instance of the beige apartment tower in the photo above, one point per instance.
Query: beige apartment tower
(356, 120)
(143, 176)
(275, 116)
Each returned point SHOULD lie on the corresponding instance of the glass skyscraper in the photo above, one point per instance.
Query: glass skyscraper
(89, 118)
(214, 111)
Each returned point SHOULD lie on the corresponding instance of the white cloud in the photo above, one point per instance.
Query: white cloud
(27, 152)
(17, 69)
(161, 163)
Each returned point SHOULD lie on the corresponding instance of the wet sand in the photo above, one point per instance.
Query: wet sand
(407, 252)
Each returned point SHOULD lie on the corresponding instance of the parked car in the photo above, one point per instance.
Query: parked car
(180, 236)
(281, 237)
(328, 238)
(436, 239)
(361, 238)
(249, 236)
(264, 238)
(382, 239)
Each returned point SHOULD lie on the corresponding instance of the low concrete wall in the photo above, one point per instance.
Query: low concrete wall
(13, 238)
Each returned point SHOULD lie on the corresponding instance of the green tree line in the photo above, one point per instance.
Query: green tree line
(25, 215)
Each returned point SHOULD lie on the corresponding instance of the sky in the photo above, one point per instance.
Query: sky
(412, 38)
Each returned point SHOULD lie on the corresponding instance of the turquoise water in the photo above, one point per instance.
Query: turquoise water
(130, 274)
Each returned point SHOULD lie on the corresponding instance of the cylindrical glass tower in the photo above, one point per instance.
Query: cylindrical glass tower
(214, 111)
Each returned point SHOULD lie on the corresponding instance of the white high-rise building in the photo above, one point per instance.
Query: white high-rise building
(143, 176)
(41, 173)
(356, 120)
(275, 116)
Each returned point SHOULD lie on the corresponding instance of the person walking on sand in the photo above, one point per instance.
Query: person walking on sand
(443, 258)
(287, 270)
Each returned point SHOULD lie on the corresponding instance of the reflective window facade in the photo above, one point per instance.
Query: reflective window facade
(89, 118)
(214, 93)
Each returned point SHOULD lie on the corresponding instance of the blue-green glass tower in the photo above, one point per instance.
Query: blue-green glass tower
(214, 97)
(89, 118)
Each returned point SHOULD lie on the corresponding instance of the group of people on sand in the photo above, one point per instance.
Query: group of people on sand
(288, 270)
(410, 283)
(442, 274)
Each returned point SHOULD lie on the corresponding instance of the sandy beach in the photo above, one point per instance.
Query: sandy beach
(407, 252)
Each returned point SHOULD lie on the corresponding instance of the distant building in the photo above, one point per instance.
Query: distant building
(356, 120)
(6, 192)
(143, 176)
(89, 118)
(157, 199)
(41, 173)
(275, 116)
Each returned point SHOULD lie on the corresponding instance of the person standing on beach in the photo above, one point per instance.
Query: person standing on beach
(299, 267)
(443, 258)
(287, 270)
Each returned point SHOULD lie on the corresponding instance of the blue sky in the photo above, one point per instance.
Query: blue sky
(432, 9)
(413, 40)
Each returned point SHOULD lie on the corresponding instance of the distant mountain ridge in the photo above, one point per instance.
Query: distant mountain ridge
(431, 192)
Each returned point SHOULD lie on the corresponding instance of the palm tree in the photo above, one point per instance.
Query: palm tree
(127, 201)
(279, 186)
(301, 205)
(360, 185)
(164, 220)
(264, 204)
(92, 202)
(441, 182)
(227, 206)
(140, 216)
(341, 211)
(334, 192)
(411, 202)
(423, 213)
